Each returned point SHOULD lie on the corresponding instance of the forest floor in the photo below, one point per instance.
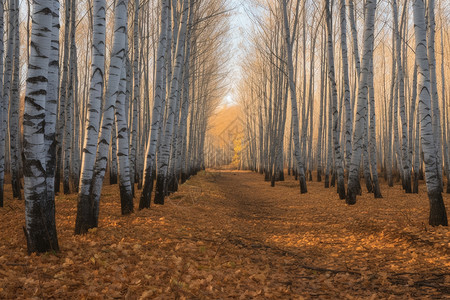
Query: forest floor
(229, 235)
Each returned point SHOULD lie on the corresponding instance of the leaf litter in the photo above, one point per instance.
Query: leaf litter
(229, 235)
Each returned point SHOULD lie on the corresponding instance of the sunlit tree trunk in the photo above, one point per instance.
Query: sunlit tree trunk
(406, 162)
(117, 62)
(361, 106)
(173, 111)
(150, 155)
(85, 219)
(436, 114)
(444, 117)
(438, 214)
(293, 96)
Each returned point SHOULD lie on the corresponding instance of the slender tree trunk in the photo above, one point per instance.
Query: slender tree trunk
(436, 119)
(331, 75)
(85, 218)
(157, 116)
(361, 106)
(406, 162)
(117, 62)
(293, 95)
(51, 105)
(438, 214)
(346, 83)
(126, 193)
(2, 111)
(14, 106)
(162, 178)
(62, 97)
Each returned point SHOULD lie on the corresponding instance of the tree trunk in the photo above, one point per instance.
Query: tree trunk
(438, 214)
(293, 95)
(117, 62)
(361, 106)
(331, 76)
(40, 228)
(2, 111)
(85, 219)
(157, 116)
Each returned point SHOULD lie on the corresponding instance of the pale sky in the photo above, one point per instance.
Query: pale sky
(239, 23)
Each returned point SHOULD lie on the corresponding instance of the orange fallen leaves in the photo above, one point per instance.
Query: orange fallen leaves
(233, 236)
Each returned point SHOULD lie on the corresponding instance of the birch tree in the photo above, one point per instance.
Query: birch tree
(293, 96)
(40, 228)
(173, 111)
(85, 218)
(116, 64)
(361, 105)
(438, 214)
(331, 75)
(149, 163)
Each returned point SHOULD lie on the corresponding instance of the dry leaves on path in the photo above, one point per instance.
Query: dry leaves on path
(228, 234)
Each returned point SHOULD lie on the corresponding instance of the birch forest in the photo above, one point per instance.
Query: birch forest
(205, 149)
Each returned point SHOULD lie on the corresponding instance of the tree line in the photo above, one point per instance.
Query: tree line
(349, 89)
(96, 86)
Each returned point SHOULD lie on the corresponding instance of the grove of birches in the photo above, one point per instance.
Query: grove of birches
(350, 93)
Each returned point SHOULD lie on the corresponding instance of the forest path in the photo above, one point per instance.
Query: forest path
(229, 235)
(315, 245)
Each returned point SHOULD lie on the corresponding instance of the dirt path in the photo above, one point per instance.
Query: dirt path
(229, 235)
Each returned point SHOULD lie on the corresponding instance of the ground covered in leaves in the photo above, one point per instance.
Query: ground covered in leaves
(228, 234)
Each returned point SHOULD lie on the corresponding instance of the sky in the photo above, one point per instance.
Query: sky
(239, 23)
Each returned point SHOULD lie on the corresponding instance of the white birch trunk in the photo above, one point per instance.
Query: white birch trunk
(346, 83)
(85, 218)
(123, 163)
(150, 156)
(438, 214)
(361, 105)
(331, 75)
(40, 228)
(436, 119)
(406, 159)
(116, 65)
(51, 105)
(293, 96)
(173, 111)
